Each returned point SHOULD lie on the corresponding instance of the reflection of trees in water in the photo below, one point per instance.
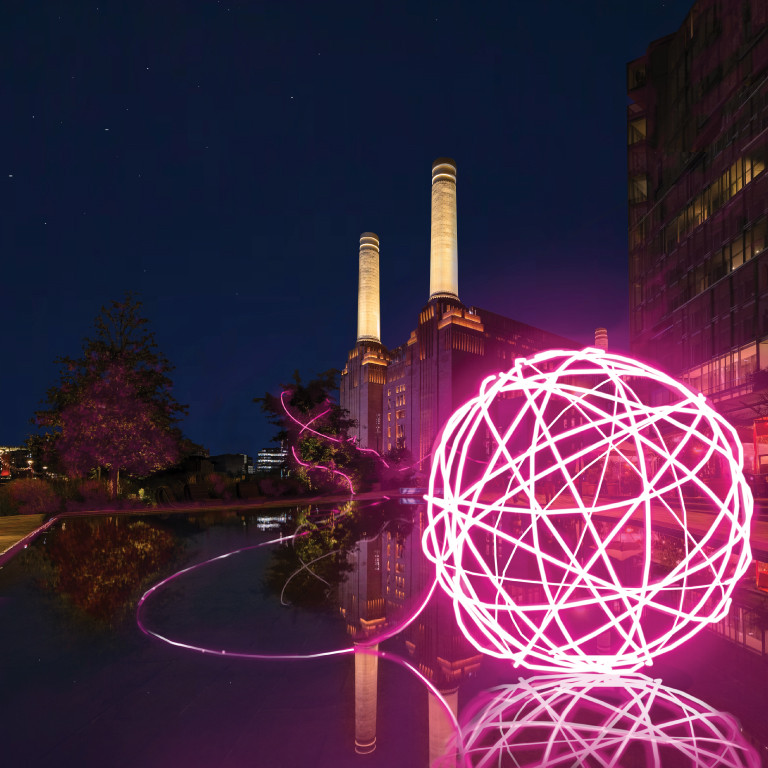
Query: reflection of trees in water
(102, 565)
(307, 570)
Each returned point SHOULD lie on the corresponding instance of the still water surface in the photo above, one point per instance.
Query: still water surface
(82, 685)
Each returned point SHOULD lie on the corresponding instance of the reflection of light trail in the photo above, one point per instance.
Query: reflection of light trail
(306, 566)
(598, 720)
(368, 646)
(534, 594)
(371, 641)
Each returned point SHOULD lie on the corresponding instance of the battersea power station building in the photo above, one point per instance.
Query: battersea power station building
(401, 397)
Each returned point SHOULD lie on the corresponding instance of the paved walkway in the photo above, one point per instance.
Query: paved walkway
(14, 528)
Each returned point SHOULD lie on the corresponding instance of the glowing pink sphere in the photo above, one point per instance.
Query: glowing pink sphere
(587, 512)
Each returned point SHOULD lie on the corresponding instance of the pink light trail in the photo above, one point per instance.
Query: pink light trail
(178, 643)
(305, 427)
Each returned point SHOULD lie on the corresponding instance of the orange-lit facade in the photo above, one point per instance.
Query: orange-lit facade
(697, 131)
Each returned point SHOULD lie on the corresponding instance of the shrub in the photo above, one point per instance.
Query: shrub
(7, 505)
(88, 494)
(220, 487)
(93, 495)
(32, 496)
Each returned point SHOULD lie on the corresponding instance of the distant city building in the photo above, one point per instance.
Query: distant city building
(697, 133)
(400, 398)
(14, 460)
(232, 464)
(272, 461)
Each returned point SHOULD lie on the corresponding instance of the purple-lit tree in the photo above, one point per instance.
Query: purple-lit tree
(113, 406)
(111, 426)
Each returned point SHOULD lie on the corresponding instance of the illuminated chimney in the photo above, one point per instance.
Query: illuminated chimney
(443, 251)
(368, 309)
(601, 338)
(366, 693)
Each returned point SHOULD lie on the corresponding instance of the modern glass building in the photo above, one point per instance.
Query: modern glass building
(697, 132)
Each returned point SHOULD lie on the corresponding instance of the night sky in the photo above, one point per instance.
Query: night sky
(222, 159)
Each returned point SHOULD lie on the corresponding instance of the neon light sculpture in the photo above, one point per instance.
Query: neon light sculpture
(598, 720)
(551, 546)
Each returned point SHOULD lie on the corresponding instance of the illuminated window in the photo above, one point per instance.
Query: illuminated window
(636, 130)
(638, 189)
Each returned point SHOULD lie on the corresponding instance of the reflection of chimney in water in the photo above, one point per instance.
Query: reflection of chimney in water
(601, 338)
(441, 729)
(366, 690)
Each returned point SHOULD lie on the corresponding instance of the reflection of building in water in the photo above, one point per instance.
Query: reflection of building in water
(389, 577)
(434, 641)
(362, 606)
(366, 696)
(400, 397)
(436, 645)
(360, 595)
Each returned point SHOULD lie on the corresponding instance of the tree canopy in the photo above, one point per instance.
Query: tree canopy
(121, 335)
(315, 430)
(113, 406)
(111, 426)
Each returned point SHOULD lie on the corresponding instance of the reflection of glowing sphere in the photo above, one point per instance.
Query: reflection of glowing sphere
(599, 720)
(594, 513)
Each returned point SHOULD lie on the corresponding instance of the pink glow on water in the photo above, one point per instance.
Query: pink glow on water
(536, 565)
(593, 719)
